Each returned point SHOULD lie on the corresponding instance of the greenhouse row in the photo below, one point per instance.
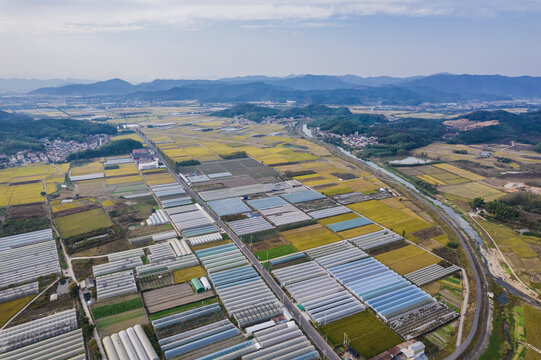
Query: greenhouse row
(14, 241)
(159, 217)
(191, 219)
(336, 254)
(203, 230)
(161, 252)
(166, 266)
(283, 341)
(27, 263)
(384, 290)
(249, 226)
(430, 273)
(323, 298)
(240, 289)
(198, 338)
(376, 239)
(284, 214)
(169, 203)
(228, 206)
(266, 203)
(116, 284)
(349, 224)
(324, 213)
(69, 345)
(19, 292)
(182, 209)
(185, 316)
(180, 247)
(204, 239)
(126, 254)
(165, 190)
(424, 319)
(116, 266)
(118, 161)
(37, 330)
(129, 344)
(166, 235)
(302, 196)
(221, 257)
(240, 191)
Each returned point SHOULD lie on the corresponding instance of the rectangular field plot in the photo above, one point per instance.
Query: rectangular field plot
(472, 190)
(399, 219)
(82, 223)
(376, 239)
(430, 273)
(172, 296)
(310, 236)
(349, 224)
(407, 259)
(368, 335)
(463, 173)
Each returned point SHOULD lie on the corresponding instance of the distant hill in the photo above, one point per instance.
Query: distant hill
(344, 89)
(108, 87)
(475, 86)
(15, 85)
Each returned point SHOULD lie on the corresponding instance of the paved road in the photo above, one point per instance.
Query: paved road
(312, 333)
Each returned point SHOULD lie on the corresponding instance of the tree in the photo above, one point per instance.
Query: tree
(74, 290)
(477, 203)
(537, 147)
(43, 193)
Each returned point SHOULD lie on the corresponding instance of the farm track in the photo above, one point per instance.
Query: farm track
(311, 332)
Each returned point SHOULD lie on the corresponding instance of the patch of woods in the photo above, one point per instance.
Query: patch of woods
(112, 148)
(521, 208)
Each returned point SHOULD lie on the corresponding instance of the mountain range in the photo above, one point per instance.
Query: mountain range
(343, 89)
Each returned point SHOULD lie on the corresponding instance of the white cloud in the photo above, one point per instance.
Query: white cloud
(78, 16)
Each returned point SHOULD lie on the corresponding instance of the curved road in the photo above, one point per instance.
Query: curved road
(304, 323)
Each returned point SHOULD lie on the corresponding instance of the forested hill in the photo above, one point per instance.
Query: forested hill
(20, 132)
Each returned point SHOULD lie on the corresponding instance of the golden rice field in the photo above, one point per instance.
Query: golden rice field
(396, 217)
(460, 172)
(310, 236)
(123, 169)
(123, 179)
(472, 190)
(29, 172)
(106, 203)
(532, 324)
(10, 308)
(158, 178)
(135, 137)
(57, 206)
(407, 259)
(89, 168)
(21, 194)
(509, 241)
(431, 180)
(82, 223)
(188, 274)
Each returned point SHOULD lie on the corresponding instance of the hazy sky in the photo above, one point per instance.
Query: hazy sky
(140, 40)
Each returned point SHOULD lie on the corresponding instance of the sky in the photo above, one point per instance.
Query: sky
(140, 40)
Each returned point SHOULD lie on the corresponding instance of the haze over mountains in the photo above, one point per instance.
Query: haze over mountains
(342, 89)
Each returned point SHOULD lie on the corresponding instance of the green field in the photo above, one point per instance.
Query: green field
(275, 252)
(188, 274)
(108, 321)
(532, 323)
(113, 309)
(368, 335)
(82, 223)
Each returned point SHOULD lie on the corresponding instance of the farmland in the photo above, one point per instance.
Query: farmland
(407, 259)
(362, 329)
(188, 274)
(310, 236)
(275, 252)
(10, 308)
(116, 308)
(532, 323)
(82, 223)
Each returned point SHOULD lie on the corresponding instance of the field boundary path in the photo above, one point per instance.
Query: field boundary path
(312, 333)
